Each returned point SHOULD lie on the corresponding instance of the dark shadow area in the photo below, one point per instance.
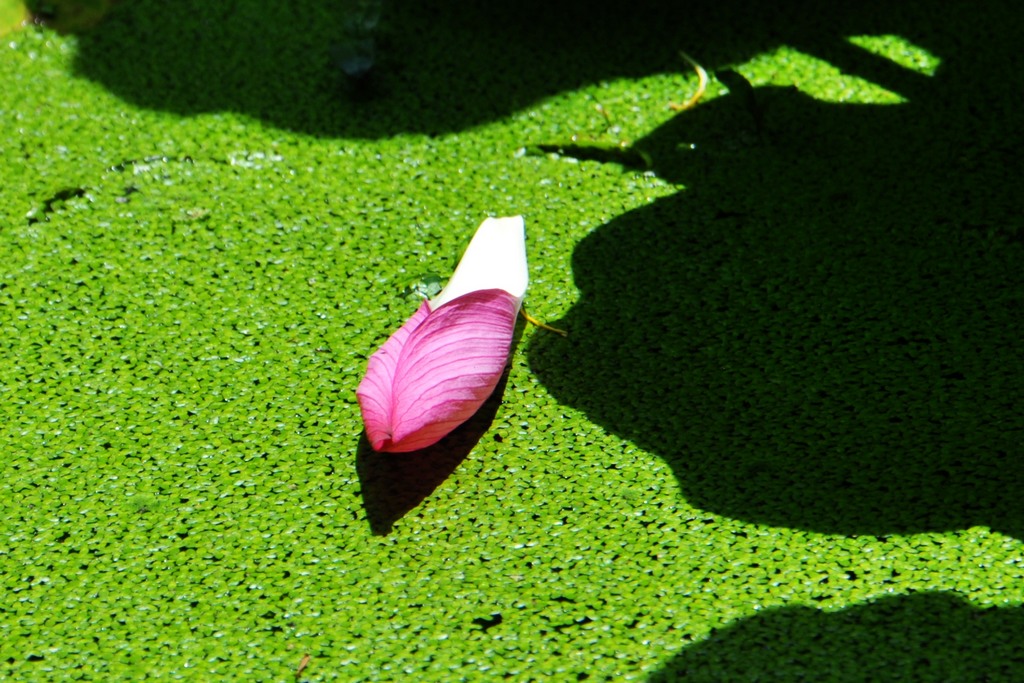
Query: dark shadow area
(824, 330)
(438, 65)
(393, 484)
(919, 637)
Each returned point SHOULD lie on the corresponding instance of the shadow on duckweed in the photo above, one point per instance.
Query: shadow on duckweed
(425, 67)
(823, 331)
(435, 66)
(919, 637)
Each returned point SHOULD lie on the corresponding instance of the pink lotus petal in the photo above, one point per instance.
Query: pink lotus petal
(437, 370)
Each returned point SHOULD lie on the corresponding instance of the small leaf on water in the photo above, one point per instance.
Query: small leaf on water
(425, 286)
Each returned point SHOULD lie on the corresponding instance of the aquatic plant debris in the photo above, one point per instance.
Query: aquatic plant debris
(442, 364)
(702, 85)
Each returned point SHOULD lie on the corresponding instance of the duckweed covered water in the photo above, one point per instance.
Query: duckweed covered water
(781, 441)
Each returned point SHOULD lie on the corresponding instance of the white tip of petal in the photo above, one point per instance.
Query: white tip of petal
(494, 259)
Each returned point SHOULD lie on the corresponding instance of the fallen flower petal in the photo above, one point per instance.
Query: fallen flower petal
(437, 370)
(443, 363)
